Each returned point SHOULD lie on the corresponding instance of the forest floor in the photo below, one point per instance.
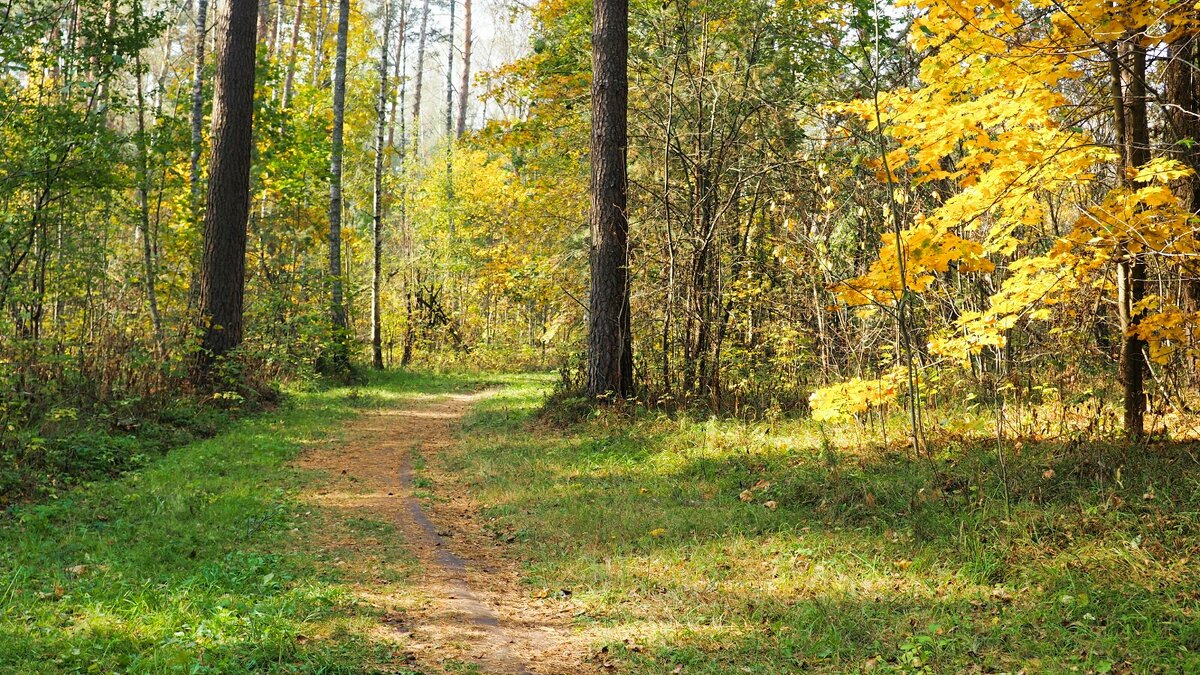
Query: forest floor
(451, 524)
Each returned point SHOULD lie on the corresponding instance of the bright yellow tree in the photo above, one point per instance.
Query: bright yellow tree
(998, 154)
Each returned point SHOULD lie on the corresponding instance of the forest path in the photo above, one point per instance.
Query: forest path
(471, 611)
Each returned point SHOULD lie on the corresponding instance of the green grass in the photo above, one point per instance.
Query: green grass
(204, 561)
(208, 560)
(869, 561)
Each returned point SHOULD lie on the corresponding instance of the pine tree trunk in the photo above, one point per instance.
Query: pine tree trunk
(339, 356)
(380, 151)
(1183, 117)
(223, 265)
(465, 87)
(610, 350)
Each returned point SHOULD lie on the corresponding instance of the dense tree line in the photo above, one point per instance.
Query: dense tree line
(872, 208)
(781, 205)
(172, 188)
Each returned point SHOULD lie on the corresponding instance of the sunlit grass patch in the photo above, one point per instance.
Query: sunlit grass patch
(723, 545)
(204, 561)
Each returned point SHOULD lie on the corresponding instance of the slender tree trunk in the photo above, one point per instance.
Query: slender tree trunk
(340, 356)
(420, 76)
(411, 306)
(143, 201)
(290, 77)
(1129, 111)
(223, 266)
(276, 24)
(450, 76)
(450, 128)
(465, 87)
(380, 151)
(405, 230)
(669, 309)
(610, 349)
(264, 19)
(318, 42)
(198, 99)
(398, 77)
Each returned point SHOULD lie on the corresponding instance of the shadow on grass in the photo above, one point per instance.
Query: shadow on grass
(722, 553)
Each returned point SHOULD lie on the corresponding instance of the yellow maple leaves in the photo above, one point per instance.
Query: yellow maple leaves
(926, 252)
(991, 133)
(845, 399)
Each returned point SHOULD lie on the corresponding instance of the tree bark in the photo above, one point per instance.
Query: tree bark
(398, 76)
(610, 349)
(143, 201)
(1183, 95)
(450, 128)
(380, 150)
(402, 168)
(264, 17)
(198, 99)
(465, 87)
(290, 77)
(223, 265)
(1132, 127)
(276, 26)
(339, 356)
(420, 72)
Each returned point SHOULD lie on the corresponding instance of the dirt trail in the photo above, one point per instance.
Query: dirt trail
(474, 608)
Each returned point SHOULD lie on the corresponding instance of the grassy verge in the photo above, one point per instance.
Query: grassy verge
(73, 446)
(727, 547)
(204, 561)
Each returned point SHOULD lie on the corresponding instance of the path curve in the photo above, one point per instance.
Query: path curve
(476, 610)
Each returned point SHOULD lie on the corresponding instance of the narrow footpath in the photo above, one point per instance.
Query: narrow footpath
(472, 608)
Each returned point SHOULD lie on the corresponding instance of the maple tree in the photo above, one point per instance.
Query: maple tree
(1008, 159)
